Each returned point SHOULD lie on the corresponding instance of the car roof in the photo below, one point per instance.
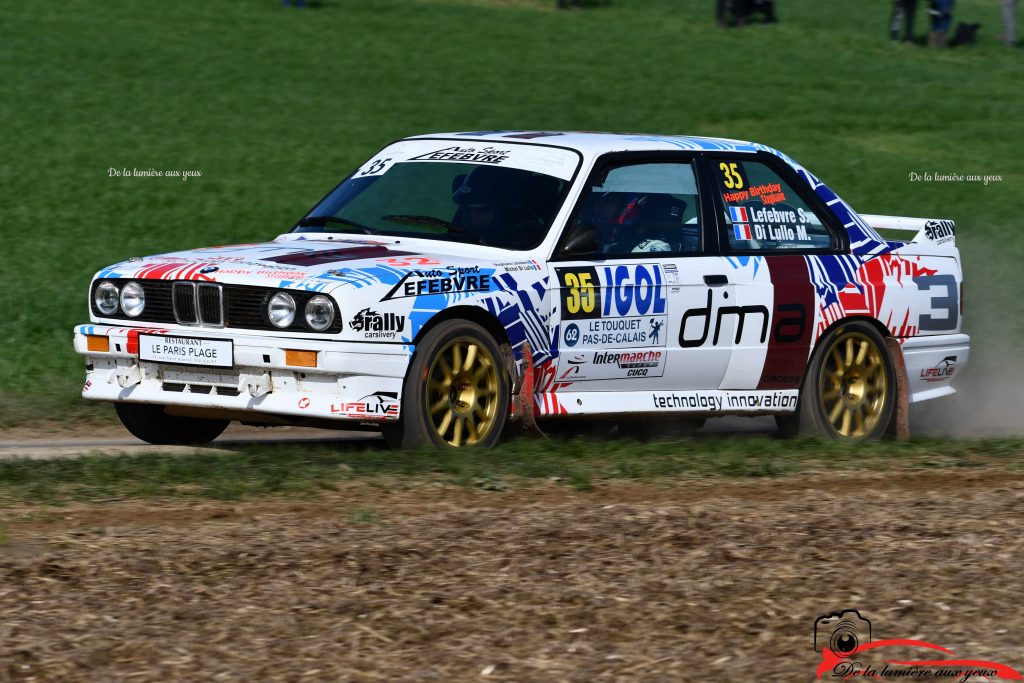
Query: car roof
(863, 238)
(595, 143)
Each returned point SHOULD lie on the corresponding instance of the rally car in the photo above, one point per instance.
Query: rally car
(456, 284)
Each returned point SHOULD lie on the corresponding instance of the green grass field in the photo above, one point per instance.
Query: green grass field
(275, 105)
(305, 470)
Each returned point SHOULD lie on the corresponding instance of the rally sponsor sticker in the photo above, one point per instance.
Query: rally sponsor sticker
(218, 353)
(551, 161)
(613, 364)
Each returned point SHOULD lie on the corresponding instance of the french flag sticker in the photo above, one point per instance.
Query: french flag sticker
(739, 214)
(742, 231)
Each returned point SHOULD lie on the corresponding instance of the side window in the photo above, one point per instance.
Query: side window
(763, 212)
(643, 208)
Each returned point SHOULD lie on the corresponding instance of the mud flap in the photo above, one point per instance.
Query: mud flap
(900, 425)
(521, 417)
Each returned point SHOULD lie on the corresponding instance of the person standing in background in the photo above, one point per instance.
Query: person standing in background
(942, 18)
(1010, 22)
(720, 13)
(765, 7)
(902, 17)
(742, 10)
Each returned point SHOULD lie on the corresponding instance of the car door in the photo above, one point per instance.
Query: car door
(769, 222)
(635, 290)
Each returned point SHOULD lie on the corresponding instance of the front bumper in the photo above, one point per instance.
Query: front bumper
(352, 382)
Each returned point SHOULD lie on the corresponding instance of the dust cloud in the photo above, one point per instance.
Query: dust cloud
(990, 389)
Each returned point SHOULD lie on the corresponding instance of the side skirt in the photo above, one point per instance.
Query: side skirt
(703, 402)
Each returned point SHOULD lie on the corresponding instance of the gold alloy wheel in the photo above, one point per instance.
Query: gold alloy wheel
(462, 392)
(853, 385)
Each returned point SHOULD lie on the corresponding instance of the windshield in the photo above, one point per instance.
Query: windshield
(503, 195)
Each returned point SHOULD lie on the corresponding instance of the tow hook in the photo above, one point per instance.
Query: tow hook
(258, 385)
(127, 376)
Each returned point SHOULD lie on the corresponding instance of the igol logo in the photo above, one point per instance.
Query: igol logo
(611, 292)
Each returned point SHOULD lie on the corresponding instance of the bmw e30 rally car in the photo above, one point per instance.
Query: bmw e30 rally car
(455, 283)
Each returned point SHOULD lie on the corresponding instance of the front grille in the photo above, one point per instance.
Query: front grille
(198, 304)
(184, 299)
(213, 305)
(211, 309)
(246, 306)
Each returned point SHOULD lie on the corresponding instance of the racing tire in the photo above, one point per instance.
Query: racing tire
(788, 425)
(849, 391)
(456, 392)
(151, 424)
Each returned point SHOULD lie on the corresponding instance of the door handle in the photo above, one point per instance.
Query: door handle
(716, 280)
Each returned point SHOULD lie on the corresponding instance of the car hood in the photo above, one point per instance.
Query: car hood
(322, 263)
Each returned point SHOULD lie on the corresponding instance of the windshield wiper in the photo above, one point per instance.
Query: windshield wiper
(321, 221)
(431, 220)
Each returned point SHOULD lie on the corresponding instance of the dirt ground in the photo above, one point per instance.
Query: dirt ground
(678, 581)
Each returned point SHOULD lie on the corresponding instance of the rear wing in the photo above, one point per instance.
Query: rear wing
(938, 231)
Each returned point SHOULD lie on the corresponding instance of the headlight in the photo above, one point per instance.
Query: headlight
(319, 313)
(105, 298)
(133, 299)
(281, 310)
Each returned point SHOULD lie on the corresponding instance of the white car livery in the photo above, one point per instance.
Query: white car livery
(457, 282)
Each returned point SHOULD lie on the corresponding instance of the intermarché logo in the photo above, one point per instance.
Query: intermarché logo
(844, 640)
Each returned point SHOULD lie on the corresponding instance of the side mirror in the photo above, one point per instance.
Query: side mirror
(582, 242)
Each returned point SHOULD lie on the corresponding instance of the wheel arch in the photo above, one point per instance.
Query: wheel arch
(874, 322)
(473, 314)
(411, 425)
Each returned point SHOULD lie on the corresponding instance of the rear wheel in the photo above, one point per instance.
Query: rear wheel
(151, 424)
(850, 389)
(456, 392)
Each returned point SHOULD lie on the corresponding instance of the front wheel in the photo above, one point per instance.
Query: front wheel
(456, 392)
(849, 392)
(151, 424)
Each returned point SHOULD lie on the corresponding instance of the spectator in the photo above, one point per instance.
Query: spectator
(1010, 22)
(720, 9)
(942, 17)
(903, 12)
(765, 7)
(742, 10)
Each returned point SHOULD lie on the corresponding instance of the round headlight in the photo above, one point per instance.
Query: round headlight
(105, 298)
(281, 310)
(319, 313)
(133, 299)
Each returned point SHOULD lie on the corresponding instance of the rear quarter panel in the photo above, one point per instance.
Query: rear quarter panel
(912, 291)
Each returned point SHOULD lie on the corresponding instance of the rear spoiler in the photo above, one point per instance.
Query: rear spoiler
(937, 231)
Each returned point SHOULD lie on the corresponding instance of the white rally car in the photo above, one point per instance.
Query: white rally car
(458, 282)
